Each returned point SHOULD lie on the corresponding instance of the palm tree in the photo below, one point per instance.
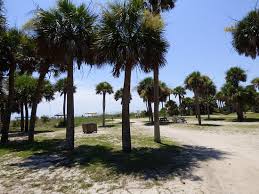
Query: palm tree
(12, 41)
(155, 7)
(3, 67)
(208, 93)
(245, 35)
(180, 92)
(195, 83)
(61, 87)
(126, 37)
(24, 87)
(145, 90)
(234, 91)
(104, 88)
(66, 34)
(119, 95)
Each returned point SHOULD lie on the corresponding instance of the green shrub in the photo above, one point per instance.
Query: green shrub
(45, 119)
(60, 124)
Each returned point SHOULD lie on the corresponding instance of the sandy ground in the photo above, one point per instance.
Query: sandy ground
(236, 172)
(230, 164)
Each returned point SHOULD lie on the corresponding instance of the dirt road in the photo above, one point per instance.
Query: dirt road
(236, 172)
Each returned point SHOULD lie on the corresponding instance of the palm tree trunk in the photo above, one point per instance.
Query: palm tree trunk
(208, 110)
(198, 111)
(22, 117)
(35, 100)
(26, 117)
(149, 119)
(240, 115)
(64, 107)
(150, 112)
(156, 105)
(180, 105)
(126, 137)
(70, 133)
(8, 111)
(104, 94)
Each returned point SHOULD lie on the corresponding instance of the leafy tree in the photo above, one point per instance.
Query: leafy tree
(145, 90)
(66, 34)
(180, 92)
(25, 87)
(104, 88)
(171, 108)
(188, 106)
(195, 83)
(127, 38)
(255, 82)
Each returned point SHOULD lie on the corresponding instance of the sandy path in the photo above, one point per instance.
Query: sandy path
(237, 172)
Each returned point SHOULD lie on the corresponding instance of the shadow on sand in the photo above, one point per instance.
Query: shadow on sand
(148, 163)
(23, 134)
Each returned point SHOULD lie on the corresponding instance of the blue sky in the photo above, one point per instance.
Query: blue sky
(195, 31)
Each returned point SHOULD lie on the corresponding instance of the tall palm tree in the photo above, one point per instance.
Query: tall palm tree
(234, 91)
(3, 67)
(12, 41)
(155, 7)
(195, 83)
(145, 90)
(126, 36)
(104, 88)
(180, 92)
(66, 34)
(208, 93)
(61, 87)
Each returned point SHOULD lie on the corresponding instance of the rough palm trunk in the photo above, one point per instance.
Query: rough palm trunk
(150, 112)
(156, 105)
(180, 105)
(8, 111)
(64, 108)
(126, 137)
(35, 100)
(26, 117)
(240, 115)
(208, 110)
(22, 117)
(198, 111)
(104, 95)
(70, 133)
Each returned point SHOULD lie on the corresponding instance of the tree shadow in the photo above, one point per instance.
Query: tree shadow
(107, 126)
(161, 123)
(208, 125)
(148, 163)
(23, 134)
(214, 119)
(247, 120)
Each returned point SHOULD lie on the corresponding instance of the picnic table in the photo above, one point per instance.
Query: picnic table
(163, 120)
(179, 120)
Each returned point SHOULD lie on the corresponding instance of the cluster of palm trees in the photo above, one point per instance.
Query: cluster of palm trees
(128, 35)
